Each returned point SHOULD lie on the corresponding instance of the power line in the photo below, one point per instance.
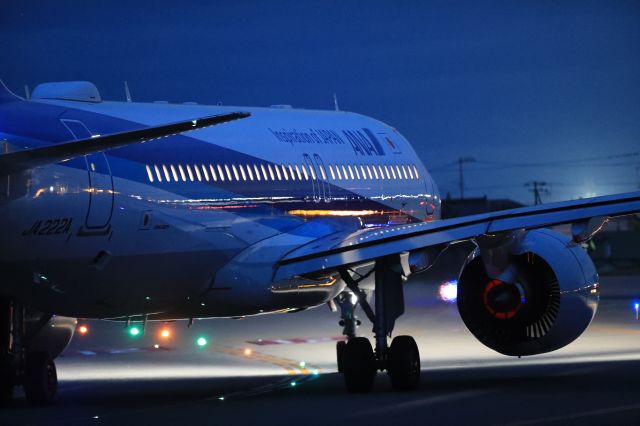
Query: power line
(577, 162)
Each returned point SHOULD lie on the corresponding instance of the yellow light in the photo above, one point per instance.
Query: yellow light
(248, 352)
(165, 333)
(83, 329)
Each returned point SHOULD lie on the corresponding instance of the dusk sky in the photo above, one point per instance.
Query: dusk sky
(538, 90)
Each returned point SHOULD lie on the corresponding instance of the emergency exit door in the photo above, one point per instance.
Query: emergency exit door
(100, 180)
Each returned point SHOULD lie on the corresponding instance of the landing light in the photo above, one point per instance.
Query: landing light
(83, 329)
(448, 291)
(248, 352)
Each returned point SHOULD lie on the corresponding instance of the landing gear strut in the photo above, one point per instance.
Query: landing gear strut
(357, 360)
(34, 370)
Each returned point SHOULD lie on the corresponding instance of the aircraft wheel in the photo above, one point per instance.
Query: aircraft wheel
(340, 348)
(404, 364)
(6, 388)
(359, 365)
(40, 378)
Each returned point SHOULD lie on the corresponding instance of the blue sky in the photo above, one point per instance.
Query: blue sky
(523, 87)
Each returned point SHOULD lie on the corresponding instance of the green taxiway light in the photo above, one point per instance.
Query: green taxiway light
(201, 342)
(134, 331)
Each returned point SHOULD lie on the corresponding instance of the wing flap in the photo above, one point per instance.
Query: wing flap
(365, 245)
(21, 160)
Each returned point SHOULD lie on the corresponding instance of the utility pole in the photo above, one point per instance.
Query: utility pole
(537, 187)
(461, 161)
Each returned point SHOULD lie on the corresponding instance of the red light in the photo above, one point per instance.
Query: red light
(83, 329)
(165, 333)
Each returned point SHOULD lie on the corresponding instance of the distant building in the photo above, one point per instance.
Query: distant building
(456, 207)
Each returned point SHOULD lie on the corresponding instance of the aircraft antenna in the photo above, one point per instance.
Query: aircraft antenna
(126, 91)
(335, 102)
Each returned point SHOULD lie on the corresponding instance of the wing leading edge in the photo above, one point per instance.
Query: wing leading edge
(339, 250)
(21, 160)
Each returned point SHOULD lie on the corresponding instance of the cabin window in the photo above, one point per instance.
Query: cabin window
(410, 172)
(415, 170)
(277, 169)
(182, 175)
(344, 172)
(271, 175)
(149, 173)
(333, 175)
(242, 173)
(220, 172)
(204, 172)
(355, 169)
(190, 173)
(249, 172)
(284, 172)
(213, 173)
(196, 169)
(157, 173)
(298, 173)
(304, 172)
(174, 173)
(257, 171)
(166, 173)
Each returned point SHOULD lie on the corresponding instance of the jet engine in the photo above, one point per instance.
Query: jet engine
(535, 293)
(48, 334)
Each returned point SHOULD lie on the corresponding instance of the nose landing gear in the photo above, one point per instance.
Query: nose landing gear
(357, 360)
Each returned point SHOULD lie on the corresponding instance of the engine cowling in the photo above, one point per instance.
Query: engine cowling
(543, 299)
(52, 337)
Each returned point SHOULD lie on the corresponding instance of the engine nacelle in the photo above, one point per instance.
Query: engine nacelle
(53, 337)
(543, 297)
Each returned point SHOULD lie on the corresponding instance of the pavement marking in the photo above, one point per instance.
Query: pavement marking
(292, 368)
(575, 416)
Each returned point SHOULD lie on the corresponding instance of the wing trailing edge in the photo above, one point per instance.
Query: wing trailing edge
(22, 160)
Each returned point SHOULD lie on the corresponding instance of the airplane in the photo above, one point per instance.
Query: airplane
(133, 211)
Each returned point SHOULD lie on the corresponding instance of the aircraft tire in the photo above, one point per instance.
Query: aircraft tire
(404, 364)
(359, 365)
(40, 378)
(340, 348)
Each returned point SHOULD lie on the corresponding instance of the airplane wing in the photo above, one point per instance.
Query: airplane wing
(351, 248)
(21, 160)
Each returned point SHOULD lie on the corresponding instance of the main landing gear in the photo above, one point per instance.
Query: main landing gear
(357, 359)
(35, 371)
